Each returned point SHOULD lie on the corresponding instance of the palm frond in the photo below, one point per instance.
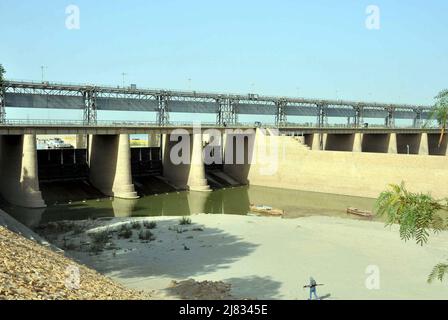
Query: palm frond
(438, 272)
(417, 214)
(442, 94)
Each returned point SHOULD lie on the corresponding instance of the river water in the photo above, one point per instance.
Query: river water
(224, 201)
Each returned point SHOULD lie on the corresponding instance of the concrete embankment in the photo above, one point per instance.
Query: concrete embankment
(283, 162)
(6, 221)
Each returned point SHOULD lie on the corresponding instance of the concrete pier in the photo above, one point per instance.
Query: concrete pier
(357, 142)
(19, 183)
(183, 161)
(196, 177)
(238, 154)
(423, 145)
(392, 144)
(315, 142)
(110, 166)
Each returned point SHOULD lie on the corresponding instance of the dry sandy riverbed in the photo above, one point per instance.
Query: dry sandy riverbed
(266, 258)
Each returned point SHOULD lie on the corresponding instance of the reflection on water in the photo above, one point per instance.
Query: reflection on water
(224, 201)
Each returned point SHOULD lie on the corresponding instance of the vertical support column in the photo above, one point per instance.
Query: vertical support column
(110, 166)
(196, 177)
(280, 117)
(316, 145)
(392, 145)
(390, 119)
(358, 116)
(227, 113)
(357, 142)
(89, 138)
(90, 112)
(123, 186)
(321, 115)
(2, 104)
(29, 176)
(19, 183)
(162, 115)
(423, 147)
(220, 114)
(418, 118)
(323, 142)
(188, 170)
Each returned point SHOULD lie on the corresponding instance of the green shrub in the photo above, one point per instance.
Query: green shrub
(150, 224)
(99, 240)
(125, 231)
(136, 225)
(101, 237)
(184, 221)
(146, 235)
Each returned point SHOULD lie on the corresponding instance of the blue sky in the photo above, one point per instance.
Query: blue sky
(293, 48)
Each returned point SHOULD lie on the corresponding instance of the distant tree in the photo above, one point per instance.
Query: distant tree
(417, 214)
(440, 112)
(2, 73)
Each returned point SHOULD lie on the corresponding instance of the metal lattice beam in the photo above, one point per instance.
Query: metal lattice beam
(229, 105)
(90, 111)
(390, 119)
(163, 117)
(322, 118)
(358, 116)
(280, 117)
(227, 112)
(2, 105)
(418, 119)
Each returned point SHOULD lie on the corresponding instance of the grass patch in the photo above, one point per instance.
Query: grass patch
(136, 225)
(149, 224)
(185, 221)
(99, 240)
(100, 237)
(125, 231)
(146, 235)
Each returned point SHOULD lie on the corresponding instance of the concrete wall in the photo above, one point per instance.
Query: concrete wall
(19, 182)
(110, 165)
(352, 173)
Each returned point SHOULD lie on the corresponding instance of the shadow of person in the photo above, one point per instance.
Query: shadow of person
(328, 295)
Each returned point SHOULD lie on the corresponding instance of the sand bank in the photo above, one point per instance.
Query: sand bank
(272, 258)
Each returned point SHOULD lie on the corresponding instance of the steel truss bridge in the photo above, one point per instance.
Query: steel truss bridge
(226, 107)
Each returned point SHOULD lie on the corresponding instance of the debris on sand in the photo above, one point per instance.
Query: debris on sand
(205, 290)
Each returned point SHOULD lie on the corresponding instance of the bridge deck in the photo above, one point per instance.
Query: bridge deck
(13, 127)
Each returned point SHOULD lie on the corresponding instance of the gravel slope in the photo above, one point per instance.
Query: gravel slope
(29, 270)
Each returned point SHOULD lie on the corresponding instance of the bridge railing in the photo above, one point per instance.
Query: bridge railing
(177, 124)
(109, 123)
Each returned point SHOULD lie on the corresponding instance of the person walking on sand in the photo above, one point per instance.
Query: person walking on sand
(312, 287)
